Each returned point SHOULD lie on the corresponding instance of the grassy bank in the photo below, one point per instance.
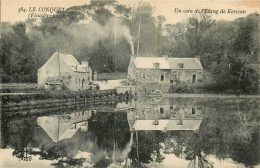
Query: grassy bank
(19, 88)
(212, 88)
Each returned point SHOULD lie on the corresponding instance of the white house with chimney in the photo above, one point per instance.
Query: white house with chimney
(64, 72)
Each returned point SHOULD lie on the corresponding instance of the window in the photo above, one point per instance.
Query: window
(83, 81)
(171, 107)
(161, 111)
(194, 78)
(181, 65)
(162, 77)
(171, 81)
(176, 76)
(193, 110)
(143, 75)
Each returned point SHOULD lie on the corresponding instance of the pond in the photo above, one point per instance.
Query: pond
(146, 132)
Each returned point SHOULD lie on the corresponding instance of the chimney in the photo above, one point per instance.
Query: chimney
(156, 65)
(84, 64)
(165, 57)
(198, 57)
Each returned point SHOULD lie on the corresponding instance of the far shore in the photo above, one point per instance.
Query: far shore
(31, 88)
(195, 95)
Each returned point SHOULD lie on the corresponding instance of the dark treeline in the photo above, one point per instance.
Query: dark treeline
(104, 33)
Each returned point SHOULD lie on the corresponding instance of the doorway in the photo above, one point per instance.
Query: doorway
(83, 83)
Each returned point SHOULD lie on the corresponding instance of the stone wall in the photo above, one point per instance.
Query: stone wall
(79, 82)
(148, 80)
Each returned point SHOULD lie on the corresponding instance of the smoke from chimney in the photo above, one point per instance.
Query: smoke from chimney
(92, 32)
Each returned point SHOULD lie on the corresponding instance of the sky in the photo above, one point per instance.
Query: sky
(9, 8)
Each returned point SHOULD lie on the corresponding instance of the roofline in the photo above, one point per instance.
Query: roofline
(167, 130)
(170, 57)
(171, 69)
(80, 72)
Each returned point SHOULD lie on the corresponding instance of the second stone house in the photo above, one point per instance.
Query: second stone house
(162, 72)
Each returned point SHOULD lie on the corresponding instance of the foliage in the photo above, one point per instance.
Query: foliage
(181, 88)
(107, 33)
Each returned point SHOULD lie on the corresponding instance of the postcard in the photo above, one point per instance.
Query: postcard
(129, 83)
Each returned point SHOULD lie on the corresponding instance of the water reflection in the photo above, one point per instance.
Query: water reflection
(60, 127)
(148, 132)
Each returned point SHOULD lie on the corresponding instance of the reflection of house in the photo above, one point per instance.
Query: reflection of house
(165, 114)
(165, 125)
(164, 71)
(125, 105)
(166, 109)
(125, 89)
(60, 127)
(63, 71)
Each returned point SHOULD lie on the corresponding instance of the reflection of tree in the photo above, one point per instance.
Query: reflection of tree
(222, 135)
(22, 154)
(158, 138)
(225, 135)
(186, 144)
(69, 162)
(111, 135)
(18, 135)
(149, 148)
(195, 155)
(175, 142)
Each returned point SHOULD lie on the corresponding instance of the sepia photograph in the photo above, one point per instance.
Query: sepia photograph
(129, 84)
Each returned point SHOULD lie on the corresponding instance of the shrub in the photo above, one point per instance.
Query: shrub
(181, 88)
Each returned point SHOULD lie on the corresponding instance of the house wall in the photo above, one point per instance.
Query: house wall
(154, 75)
(151, 79)
(131, 71)
(78, 81)
(49, 70)
(85, 65)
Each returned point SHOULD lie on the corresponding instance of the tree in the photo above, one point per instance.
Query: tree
(246, 53)
(17, 55)
(197, 35)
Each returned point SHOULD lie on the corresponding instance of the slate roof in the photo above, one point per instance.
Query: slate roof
(165, 125)
(189, 63)
(147, 62)
(167, 63)
(67, 59)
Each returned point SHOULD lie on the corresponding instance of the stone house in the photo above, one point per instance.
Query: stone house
(63, 71)
(161, 72)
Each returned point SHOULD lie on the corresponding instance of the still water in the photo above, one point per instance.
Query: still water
(146, 132)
